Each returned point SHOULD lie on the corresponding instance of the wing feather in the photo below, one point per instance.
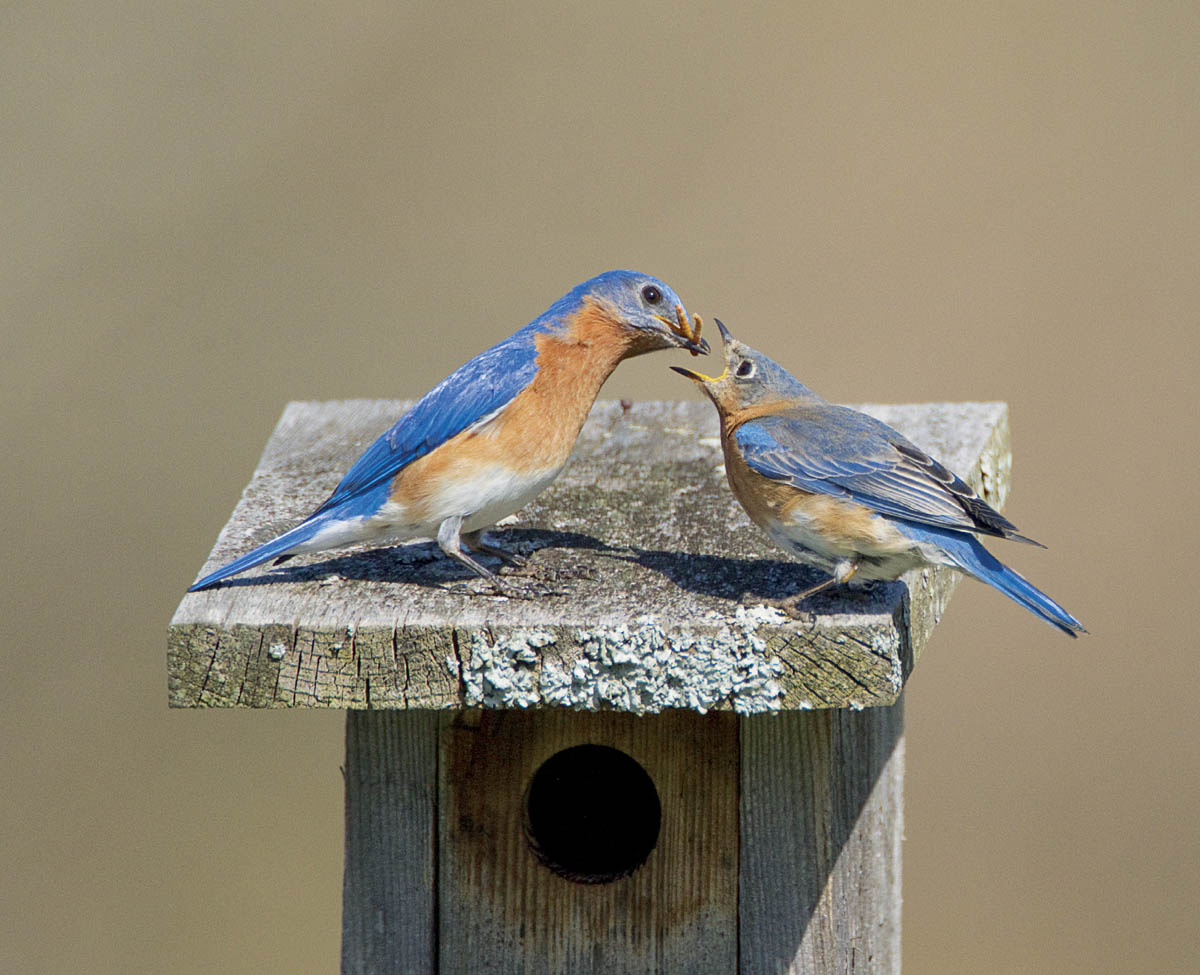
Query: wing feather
(834, 450)
(471, 394)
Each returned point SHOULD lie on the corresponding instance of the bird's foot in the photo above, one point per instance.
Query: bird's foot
(842, 573)
(478, 542)
(788, 606)
(510, 558)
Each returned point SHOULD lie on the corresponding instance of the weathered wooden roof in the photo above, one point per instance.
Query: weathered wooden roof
(640, 556)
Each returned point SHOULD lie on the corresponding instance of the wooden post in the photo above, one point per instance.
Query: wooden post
(821, 825)
(630, 771)
(388, 904)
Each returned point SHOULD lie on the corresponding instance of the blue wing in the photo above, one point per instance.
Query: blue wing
(968, 554)
(477, 390)
(834, 450)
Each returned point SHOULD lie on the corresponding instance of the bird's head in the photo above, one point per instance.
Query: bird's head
(750, 378)
(648, 312)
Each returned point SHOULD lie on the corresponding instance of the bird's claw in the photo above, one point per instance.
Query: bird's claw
(789, 606)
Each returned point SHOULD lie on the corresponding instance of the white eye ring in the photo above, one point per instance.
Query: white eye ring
(745, 369)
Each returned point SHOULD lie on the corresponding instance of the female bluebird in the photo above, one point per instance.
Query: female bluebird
(846, 492)
(490, 437)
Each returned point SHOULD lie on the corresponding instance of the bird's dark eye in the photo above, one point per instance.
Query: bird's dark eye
(652, 295)
(745, 369)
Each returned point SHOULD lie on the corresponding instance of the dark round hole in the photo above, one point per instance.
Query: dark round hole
(592, 814)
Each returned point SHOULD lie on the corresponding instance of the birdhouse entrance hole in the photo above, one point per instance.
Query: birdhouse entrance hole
(592, 814)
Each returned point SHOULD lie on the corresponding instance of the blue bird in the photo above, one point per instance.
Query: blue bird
(847, 493)
(491, 436)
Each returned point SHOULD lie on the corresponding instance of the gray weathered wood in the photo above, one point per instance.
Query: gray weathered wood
(642, 537)
(504, 912)
(388, 893)
(821, 825)
(816, 880)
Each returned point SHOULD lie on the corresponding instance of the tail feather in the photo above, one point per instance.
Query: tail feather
(970, 556)
(279, 546)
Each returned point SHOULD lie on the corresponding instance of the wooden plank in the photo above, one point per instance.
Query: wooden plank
(641, 537)
(821, 825)
(388, 909)
(503, 911)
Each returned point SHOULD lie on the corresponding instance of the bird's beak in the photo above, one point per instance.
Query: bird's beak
(697, 377)
(686, 334)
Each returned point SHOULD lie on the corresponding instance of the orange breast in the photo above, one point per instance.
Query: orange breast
(537, 430)
(842, 524)
(766, 501)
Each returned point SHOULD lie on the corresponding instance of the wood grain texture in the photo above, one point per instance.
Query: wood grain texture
(502, 911)
(821, 825)
(388, 889)
(641, 553)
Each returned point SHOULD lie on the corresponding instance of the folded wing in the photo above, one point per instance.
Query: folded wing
(834, 450)
(470, 395)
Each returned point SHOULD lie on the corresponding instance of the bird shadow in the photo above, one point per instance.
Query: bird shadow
(418, 563)
(745, 579)
(737, 580)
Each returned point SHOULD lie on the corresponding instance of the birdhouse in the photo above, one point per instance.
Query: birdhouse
(627, 764)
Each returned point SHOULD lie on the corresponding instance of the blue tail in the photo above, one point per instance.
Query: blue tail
(277, 546)
(968, 554)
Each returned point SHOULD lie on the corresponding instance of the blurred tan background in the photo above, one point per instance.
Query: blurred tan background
(210, 209)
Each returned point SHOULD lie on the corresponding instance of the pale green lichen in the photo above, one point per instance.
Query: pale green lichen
(502, 673)
(638, 667)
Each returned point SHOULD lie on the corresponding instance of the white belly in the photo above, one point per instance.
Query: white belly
(887, 556)
(482, 498)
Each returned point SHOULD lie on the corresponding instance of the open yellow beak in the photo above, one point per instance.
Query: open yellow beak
(698, 377)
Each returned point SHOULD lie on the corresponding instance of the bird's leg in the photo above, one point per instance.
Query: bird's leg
(842, 572)
(475, 541)
(451, 542)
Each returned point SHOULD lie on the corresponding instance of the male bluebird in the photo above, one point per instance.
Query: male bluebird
(491, 436)
(846, 492)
